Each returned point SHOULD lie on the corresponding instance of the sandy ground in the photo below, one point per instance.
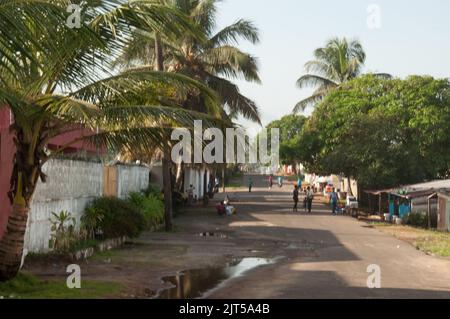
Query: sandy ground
(319, 255)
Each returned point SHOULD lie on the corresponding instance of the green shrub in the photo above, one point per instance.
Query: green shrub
(120, 217)
(178, 200)
(151, 207)
(90, 222)
(64, 235)
(154, 190)
(417, 220)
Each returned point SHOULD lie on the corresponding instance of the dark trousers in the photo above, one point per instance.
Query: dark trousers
(295, 204)
(334, 208)
(309, 203)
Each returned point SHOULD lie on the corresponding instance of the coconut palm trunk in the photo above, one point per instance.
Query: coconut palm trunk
(11, 245)
(26, 172)
(166, 160)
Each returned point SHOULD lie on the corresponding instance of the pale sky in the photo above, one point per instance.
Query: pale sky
(414, 38)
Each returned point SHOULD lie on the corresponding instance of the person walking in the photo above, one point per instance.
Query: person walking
(305, 201)
(295, 197)
(250, 184)
(270, 181)
(309, 198)
(280, 181)
(190, 195)
(334, 202)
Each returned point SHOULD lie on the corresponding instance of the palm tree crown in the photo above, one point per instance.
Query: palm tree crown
(338, 62)
(213, 62)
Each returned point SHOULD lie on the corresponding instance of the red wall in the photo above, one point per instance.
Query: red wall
(6, 164)
(7, 150)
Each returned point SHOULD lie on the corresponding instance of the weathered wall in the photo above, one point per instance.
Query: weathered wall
(7, 149)
(195, 177)
(70, 186)
(156, 175)
(131, 179)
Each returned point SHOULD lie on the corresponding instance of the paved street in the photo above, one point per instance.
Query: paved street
(327, 256)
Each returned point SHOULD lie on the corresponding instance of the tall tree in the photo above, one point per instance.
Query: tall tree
(290, 129)
(211, 60)
(214, 61)
(382, 132)
(339, 61)
(56, 79)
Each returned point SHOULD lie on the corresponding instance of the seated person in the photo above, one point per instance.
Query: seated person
(221, 209)
(230, 210)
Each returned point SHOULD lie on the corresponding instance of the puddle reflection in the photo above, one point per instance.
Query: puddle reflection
(191, 284)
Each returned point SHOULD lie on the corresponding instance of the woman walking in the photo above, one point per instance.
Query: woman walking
(295, 197)
(309, 198)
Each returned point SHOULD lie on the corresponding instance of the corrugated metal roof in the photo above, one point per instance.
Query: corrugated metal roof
(437, 184)
(416, 190)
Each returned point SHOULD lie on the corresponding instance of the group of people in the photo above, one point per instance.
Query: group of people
(225, 207)
(280, 181)
(307, 200)
(309, 197)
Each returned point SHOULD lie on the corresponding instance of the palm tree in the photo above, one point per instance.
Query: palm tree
(210, 61)
(213, 62)
(56, 79)
(338, 62)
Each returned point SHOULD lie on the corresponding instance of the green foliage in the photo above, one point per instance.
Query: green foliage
(338, 62)
(154, 190)
(290, 128)
(151, 208)
(90, 222)
(214, 62)
(26, 286)
(417, 220)
(64, 235)
(120, 217)
(382, 132)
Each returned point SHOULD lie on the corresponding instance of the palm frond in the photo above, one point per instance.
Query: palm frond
(309, 101)
(241, 29)
(312, 80)
(231, 62)
(233, 99)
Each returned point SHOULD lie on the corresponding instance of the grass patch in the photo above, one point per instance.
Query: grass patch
(428, 241)
(437, 245)
(107, 254)
(26, 286)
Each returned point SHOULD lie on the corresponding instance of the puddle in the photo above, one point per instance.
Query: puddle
(212, 234)
(196, 283)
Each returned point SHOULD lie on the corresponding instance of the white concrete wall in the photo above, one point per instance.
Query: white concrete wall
(70, 186)
(195, 177)
(131, 179)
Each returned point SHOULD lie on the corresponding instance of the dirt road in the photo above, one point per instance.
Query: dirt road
(317, 255)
